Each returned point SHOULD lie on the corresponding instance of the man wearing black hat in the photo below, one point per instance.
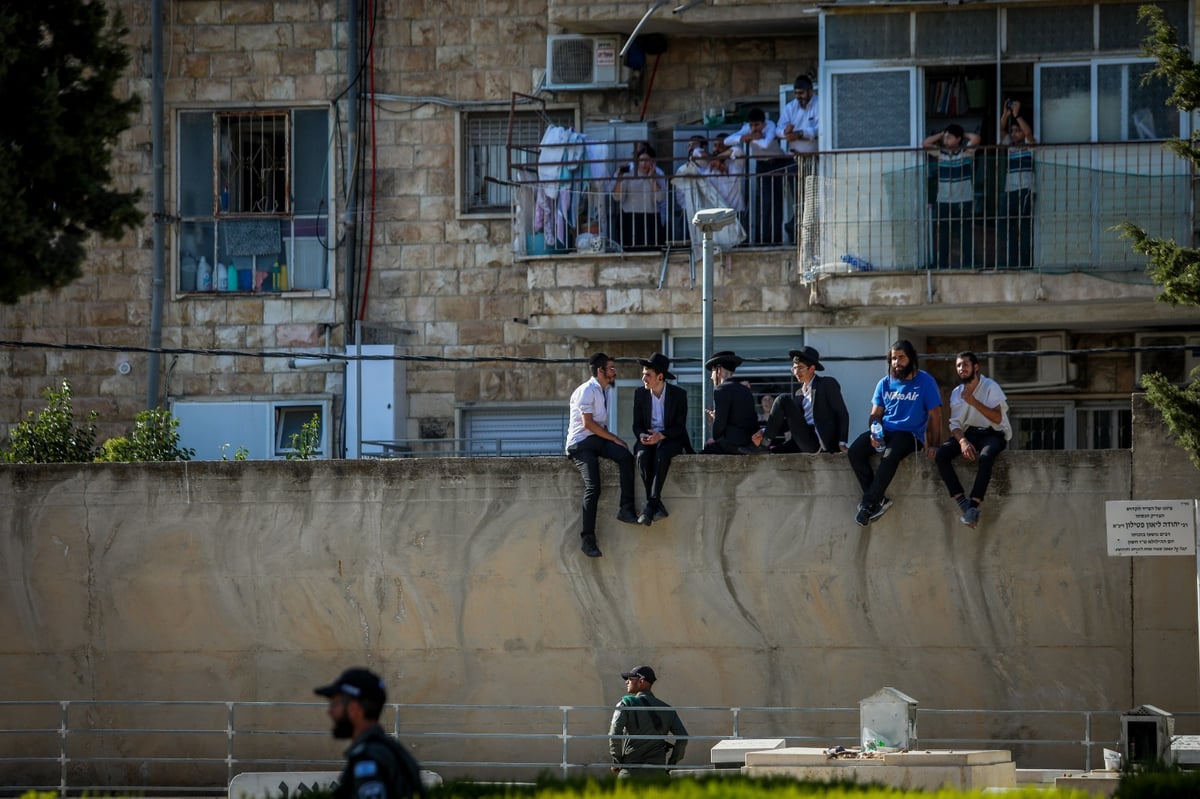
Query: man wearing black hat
(644, 757)
(589, 440)
(377, 766)
(816, 417)
(733, 415)
(660, 429)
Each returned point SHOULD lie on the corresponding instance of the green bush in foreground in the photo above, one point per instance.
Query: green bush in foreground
(719, 787)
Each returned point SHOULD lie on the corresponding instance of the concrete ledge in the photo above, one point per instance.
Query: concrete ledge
(1097, 783)
(927, 770)
(734, 750)
(256, 784)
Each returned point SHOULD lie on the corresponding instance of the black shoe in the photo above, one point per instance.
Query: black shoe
(647, 514)
(589, 547)
(863, 517)
(660, 512)
(628, 516)
(880, 508)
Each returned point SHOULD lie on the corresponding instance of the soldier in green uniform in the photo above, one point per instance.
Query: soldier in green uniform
(647, 757)
(377, 766)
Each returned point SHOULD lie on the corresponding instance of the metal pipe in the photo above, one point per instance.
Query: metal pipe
(159, 203)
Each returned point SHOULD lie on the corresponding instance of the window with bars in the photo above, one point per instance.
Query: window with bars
(253, 192)
(484, 152)
(1071, 425)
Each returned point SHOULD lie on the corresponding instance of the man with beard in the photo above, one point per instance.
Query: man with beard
(908, 404)
(377, 766)
(979, 430)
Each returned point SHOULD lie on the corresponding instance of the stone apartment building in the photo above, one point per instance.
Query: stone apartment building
(345, 175)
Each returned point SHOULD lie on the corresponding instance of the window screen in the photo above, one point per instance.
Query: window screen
(1120, 29)
(870, 36)
(958, 34)
(872, 109)
(1053, 29)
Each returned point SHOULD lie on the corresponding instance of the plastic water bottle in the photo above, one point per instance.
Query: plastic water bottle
(859, 264)
(222, 277)
(877, 433)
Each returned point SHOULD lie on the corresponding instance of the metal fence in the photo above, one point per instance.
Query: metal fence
(1050, 207)
(78, 747)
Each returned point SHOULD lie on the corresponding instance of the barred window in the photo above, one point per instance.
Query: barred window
(485, 153)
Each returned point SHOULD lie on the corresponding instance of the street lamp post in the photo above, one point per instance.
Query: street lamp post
(708, 221)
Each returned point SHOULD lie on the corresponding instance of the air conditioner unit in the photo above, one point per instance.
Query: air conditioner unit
(1176, 365)
(1031, 371)
(583, 62)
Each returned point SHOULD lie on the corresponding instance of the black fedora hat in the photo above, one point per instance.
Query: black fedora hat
(727, 358)
(659, 363)
(809, 355)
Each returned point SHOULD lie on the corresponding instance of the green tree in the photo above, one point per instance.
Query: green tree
(1174, 267)
(60, 61)
(52, 436)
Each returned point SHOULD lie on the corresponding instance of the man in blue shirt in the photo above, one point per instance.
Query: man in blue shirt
(908, 404)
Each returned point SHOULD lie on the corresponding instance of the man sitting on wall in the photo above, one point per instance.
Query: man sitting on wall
(816, 416)
(660, 428)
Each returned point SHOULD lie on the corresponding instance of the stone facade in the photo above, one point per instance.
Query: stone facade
(452, 278)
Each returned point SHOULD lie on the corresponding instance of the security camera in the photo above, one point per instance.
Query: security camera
(713, 218)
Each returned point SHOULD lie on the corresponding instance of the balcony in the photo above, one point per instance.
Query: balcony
(845, 215)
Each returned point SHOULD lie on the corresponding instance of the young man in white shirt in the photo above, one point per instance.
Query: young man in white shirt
(979, 431)
(589, 439)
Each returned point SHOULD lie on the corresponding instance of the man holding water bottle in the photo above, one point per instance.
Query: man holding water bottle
(906, 415)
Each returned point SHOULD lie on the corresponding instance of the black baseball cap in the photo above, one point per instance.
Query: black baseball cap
(641, 672)
(358, 683)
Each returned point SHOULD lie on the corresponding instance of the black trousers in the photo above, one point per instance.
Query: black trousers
(897, 447)
(653, 462)
(586, 456)
(788, 414)
(988, 444)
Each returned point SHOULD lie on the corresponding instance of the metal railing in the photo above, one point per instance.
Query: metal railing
(1047, 207)
(197, 747)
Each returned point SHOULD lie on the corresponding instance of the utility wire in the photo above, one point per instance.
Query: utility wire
(335, 357)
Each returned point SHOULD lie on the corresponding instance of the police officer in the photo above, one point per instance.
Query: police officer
(377, 766)
(644, 757)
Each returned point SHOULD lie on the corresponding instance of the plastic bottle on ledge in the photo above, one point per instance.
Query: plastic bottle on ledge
(221, 276)
(857, 264)
(204, 275)
(231, 279)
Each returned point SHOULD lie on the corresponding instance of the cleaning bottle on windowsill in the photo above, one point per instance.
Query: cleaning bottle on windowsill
(204, 275)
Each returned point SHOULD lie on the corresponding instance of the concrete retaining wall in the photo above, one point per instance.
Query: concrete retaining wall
(461, 581)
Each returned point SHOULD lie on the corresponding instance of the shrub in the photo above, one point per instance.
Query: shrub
(155, 437)
(52, 436)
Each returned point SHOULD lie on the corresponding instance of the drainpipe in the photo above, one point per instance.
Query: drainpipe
(159, 202)
(349, 248)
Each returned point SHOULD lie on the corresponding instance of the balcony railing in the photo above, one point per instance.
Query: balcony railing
(873, 210)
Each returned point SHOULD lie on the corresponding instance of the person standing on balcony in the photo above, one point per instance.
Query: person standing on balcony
(955, 218)
(639, 191)
(758, 139)
(798, 129)
(1016, 226)
(589, 440)
(816, 416)
(734, 416)
(651, 755)
(660, 428)
(908, 406)
(377, 766)
(979, 431)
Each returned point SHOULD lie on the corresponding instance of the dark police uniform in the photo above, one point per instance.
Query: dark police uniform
(378, 767)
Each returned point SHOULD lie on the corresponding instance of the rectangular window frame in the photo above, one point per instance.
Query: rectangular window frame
(484, 151)
(304, 262)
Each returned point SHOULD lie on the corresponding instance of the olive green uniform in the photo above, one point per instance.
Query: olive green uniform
(633, 718)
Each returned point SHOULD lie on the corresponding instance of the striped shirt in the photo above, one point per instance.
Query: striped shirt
(956, 176)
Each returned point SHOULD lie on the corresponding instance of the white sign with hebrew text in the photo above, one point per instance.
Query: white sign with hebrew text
(1151, 527)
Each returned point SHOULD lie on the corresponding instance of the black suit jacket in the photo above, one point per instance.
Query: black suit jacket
(736, 414)
(830, 416)
(674, 415)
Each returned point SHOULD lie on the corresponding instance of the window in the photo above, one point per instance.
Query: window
(883, 96)
(1070, 425)
(254, 200)
(289, 427)
(484, 153)
(1103, 101)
